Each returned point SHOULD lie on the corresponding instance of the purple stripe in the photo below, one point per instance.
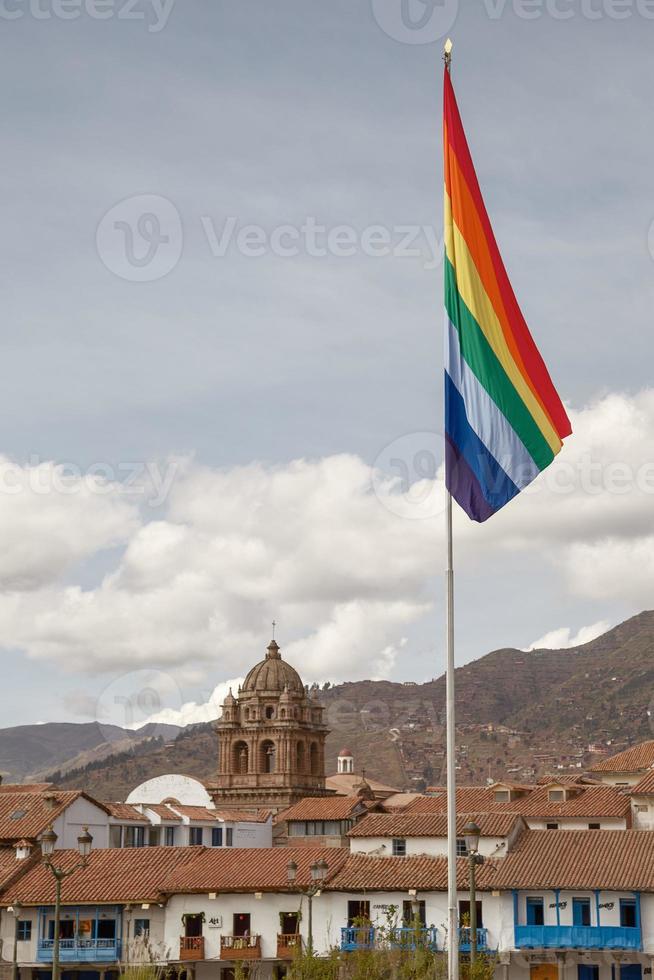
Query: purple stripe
(463, 484)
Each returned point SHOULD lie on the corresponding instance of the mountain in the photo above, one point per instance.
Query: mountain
(31, 751)
(518, 715)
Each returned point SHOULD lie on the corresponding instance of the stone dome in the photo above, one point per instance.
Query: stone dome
(272, 676)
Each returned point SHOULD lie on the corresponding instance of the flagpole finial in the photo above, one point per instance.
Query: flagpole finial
(447, 53)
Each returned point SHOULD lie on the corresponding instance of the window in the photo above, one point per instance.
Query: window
(270, 712)
(23, 930)
(115, 835)
(66, 929)
(461, 849)
(195, 836)
(106, 929)
(628, 913)
(408, 913)
(641, 808)
(581, 911)
(551, 826)
(502, 796)
(358, 912)
(535, 912)
(593, 826)
(17, 814)
(399, 847)
(464, 910)
(587, 971)
(141, 927)
(153, 837)
(229, 837)
(216, 836)
(241, 924)
(169, 836)
(556, 795)
(133, 836)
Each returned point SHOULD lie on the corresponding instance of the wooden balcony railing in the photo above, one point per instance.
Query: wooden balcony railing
(288, 944)
(191, 947)
(240, 947)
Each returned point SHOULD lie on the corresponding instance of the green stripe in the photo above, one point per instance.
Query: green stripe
(483, 362)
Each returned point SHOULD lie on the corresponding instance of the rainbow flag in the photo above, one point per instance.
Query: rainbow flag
(504, 421)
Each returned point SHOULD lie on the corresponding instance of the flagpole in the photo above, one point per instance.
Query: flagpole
(452, 910)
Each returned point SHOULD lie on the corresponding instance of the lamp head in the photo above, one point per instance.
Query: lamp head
(48, 840)
(472, 833)
(85, 843)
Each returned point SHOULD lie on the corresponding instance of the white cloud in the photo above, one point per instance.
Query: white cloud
(347, 570)
(192, 713)
(563, 638)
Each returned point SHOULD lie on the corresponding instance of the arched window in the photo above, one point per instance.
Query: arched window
(267, 757)
(270, 711)
(314, 759)
(300, 757)
(283, 712)
(240, 757)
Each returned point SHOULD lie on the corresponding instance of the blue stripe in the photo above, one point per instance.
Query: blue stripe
(496, 486)
(485, 417)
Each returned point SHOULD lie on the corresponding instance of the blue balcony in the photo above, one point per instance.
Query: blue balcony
(464, 939)
(357, 937)
(578, 937)
(80, 950)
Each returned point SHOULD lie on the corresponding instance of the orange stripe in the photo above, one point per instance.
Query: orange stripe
(466, 218)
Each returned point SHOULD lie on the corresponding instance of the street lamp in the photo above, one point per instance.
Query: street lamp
(472, 833)
(16, 908)
(48, 840)
(318, 874)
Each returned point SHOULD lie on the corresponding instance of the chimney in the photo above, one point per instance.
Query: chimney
(23, 849)
(50, 801)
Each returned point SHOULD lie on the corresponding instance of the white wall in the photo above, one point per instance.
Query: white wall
(644, 820)
(82, 813)
(577, 823)
(488, 846)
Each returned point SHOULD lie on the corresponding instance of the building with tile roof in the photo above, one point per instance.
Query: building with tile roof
(627, 767)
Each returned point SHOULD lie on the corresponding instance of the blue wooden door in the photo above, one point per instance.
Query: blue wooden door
(630, 971)
(581, 911)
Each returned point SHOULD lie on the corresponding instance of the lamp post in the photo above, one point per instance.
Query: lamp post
(472, 834)
(16, 908)
(318, 875)
(48, 840)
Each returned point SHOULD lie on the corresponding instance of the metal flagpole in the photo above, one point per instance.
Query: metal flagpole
(452, 911)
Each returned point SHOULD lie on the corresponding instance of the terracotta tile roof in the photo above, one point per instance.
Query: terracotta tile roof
(10, 866)
(251, 869)
(25, 787)
(636, 759)
(29, 814)
(397, 873)
(593, 800)
(126, 811)
(431, 824)
(603, 859)
(345, 783)
(164, 811)
(209, 815)
(113, 875)
(645, 787)
(326, 808)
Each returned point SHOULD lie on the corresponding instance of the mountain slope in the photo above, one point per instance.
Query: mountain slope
(517, 713)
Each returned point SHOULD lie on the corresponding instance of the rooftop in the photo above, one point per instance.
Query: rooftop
(636, 759)
(29, 814)
(326, 808)
(432, 824)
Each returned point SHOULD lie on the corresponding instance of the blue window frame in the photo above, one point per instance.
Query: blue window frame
(216, 836)
(628, 915)
(630, 971)
(587, 971)
(24, 930)
(581, 913)
(535, 912)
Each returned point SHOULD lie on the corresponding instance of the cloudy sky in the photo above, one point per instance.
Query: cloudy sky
(221, 372)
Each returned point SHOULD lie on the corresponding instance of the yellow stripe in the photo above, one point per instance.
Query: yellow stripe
(476, 299)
